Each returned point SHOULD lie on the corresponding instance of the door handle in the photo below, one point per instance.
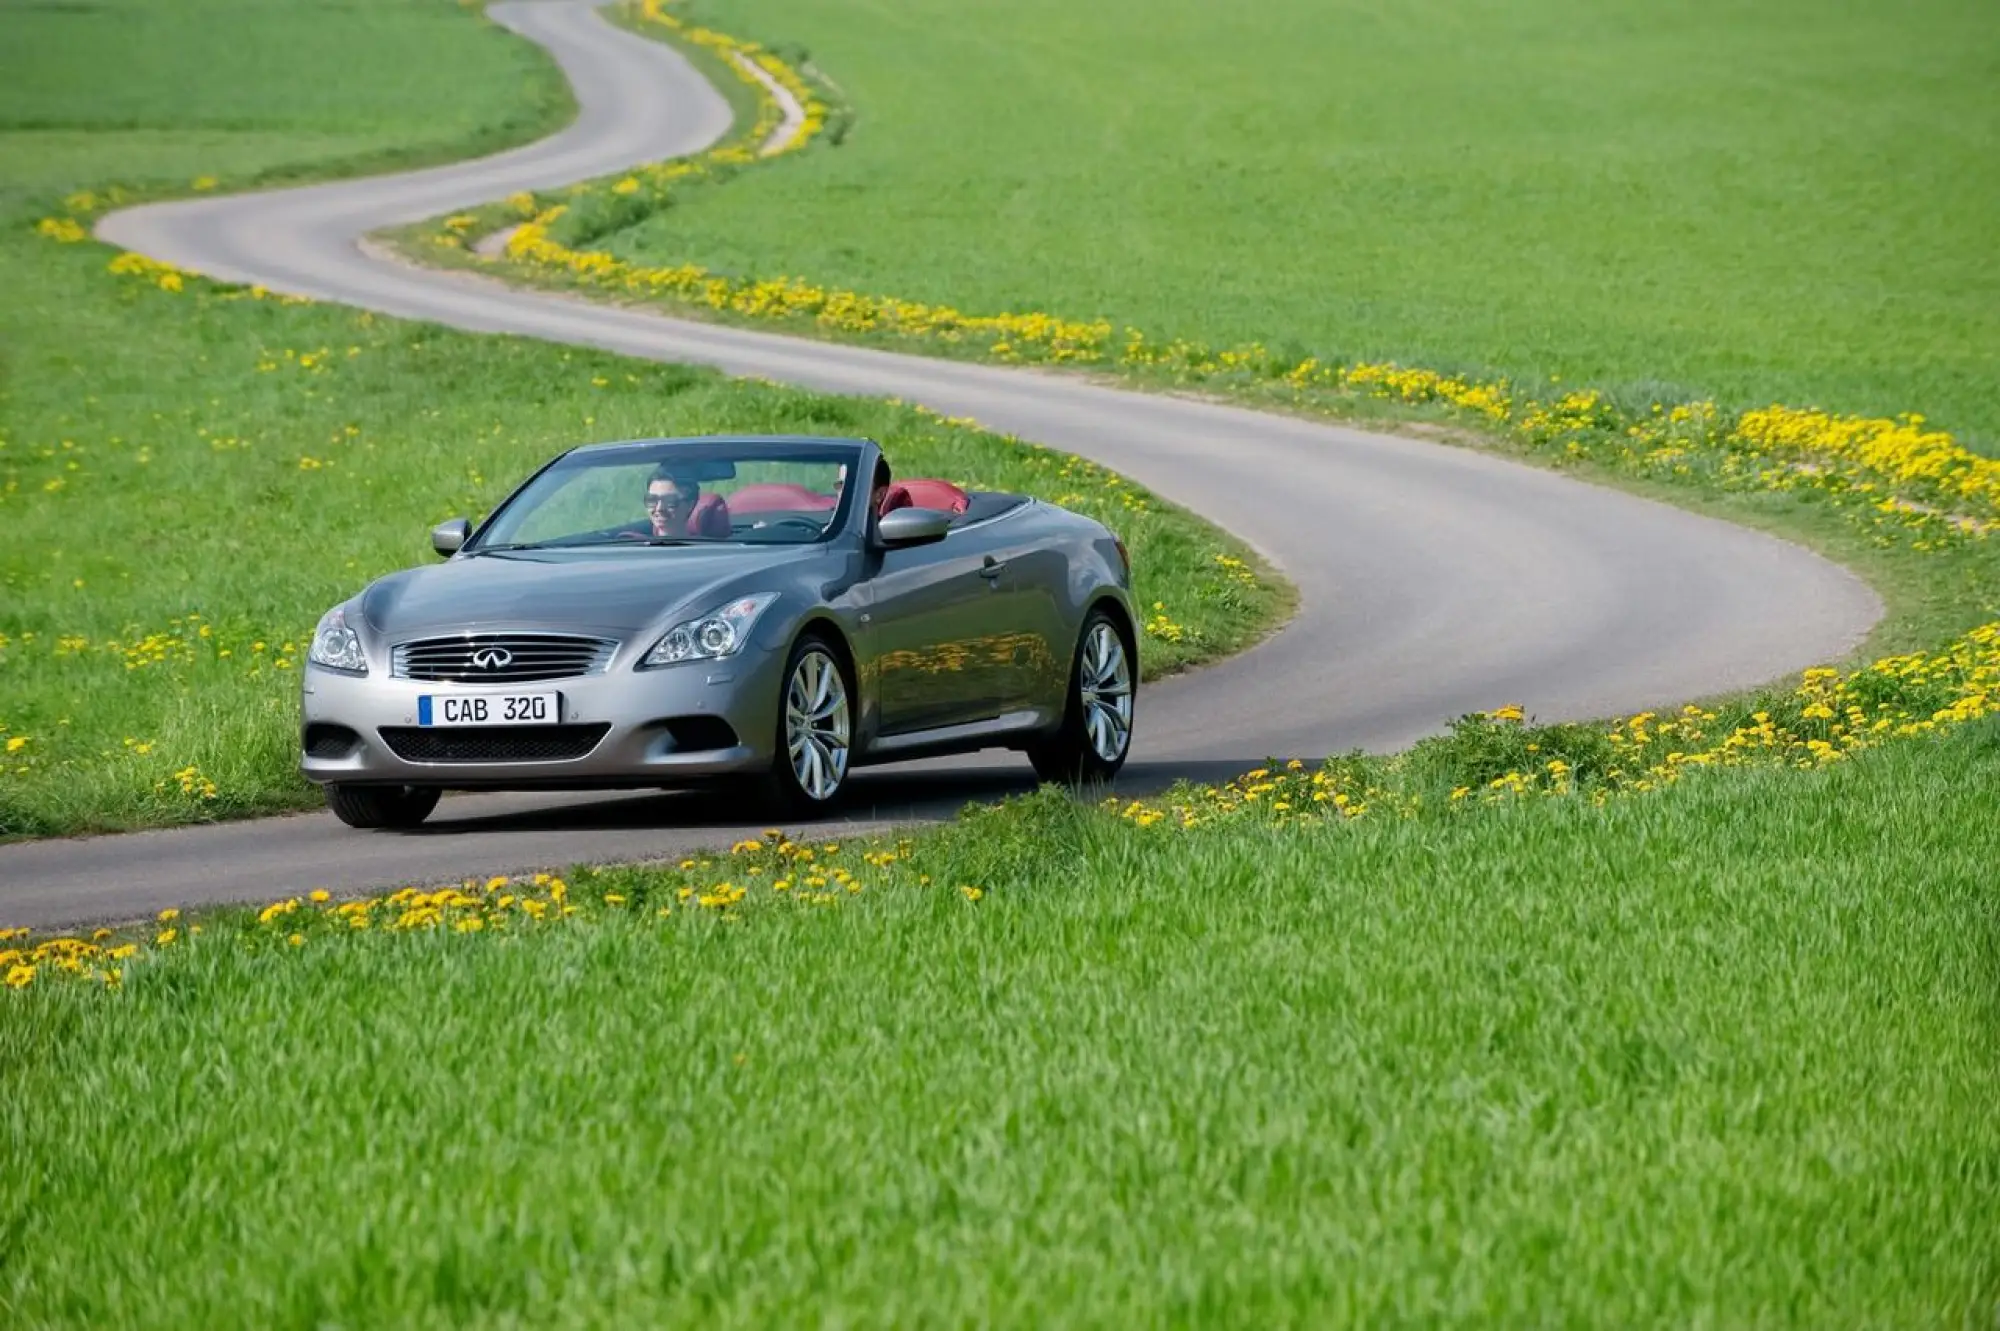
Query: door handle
(992, 568)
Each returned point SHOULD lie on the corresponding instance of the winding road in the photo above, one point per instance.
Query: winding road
(1433, 580)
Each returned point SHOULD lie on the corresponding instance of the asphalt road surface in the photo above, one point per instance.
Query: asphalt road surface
(1433, 580)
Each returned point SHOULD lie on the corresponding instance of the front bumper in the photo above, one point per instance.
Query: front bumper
(659, 727)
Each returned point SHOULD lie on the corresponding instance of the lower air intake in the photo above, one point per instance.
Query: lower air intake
(323, 739)
(493, 744)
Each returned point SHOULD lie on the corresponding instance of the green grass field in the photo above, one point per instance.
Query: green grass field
(1784, 201)
(161, 95)
(188, 479)
(1722, 1056)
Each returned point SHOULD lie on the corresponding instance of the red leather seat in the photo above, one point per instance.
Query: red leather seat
(710, 517)
(895, 497)
(767, 496)
(925, 492)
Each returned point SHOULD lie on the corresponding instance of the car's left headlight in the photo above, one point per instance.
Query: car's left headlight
(336, 646)
(718, 633)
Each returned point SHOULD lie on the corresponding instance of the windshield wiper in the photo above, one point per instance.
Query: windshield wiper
(502, 549)
(623, 541)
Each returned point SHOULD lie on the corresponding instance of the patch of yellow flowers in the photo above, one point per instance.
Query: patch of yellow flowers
(1827, 717)
(769, 872)
(735, 51)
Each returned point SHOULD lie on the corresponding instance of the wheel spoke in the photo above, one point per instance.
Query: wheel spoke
(815, 782)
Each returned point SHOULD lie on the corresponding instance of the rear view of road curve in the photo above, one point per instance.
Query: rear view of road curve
(1433, 580)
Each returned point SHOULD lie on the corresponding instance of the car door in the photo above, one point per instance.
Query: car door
(944, 627)
(1025, 576)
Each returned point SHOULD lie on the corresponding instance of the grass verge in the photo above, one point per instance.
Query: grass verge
(1721, 1054)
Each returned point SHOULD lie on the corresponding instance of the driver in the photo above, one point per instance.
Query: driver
(880, 490)
(670, 501)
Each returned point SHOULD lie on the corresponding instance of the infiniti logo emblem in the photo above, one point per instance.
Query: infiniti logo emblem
(493, 658)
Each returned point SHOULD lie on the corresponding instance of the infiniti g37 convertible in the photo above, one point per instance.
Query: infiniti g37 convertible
(769, 611)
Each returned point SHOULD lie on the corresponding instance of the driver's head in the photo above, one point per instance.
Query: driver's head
(669, 500)
(880, 489)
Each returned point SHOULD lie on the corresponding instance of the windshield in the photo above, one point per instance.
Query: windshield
(678, 494)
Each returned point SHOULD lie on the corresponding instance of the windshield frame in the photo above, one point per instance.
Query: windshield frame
(858, 455)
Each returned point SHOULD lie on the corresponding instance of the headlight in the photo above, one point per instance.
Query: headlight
(336, 646)
(718, 633)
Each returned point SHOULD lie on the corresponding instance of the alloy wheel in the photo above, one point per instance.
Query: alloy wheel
(1105, 683)
(817, 725)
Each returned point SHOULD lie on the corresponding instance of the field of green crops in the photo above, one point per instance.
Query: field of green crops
(1759, 202)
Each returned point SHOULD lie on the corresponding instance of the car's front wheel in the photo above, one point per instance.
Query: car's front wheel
(1096, 731)
(382, 806)
(815, 729)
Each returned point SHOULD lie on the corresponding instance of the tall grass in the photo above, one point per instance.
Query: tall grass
(1722, 1055)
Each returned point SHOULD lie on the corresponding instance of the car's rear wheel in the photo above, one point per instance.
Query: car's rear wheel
(382, 806)
(815, 729)
(1096, 732)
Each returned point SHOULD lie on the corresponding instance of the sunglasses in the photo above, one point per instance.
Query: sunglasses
(667, 501)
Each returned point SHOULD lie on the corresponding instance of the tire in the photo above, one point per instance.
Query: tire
(814, 750)
(382, 806)
(1096, 731)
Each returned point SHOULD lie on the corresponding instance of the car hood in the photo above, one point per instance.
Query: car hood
(608, 591)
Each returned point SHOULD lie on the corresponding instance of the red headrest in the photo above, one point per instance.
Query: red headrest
(895, 497)
(927, 493)
(710, 517)
(766, 496)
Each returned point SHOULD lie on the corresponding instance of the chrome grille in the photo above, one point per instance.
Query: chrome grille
(497, 658)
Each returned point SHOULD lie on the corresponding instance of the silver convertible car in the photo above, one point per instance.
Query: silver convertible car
(774, 611)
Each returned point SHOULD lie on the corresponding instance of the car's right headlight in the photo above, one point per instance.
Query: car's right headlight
(336, 646)
(707, 637)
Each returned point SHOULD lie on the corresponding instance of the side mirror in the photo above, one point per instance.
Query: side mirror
(447, 537)
(912, 526)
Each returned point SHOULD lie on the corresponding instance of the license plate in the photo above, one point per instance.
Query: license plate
(489, 709)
